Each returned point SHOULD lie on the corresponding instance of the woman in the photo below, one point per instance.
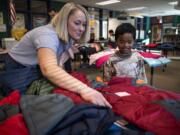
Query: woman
(48, 47)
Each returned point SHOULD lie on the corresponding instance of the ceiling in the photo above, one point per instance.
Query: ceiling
(153, 7)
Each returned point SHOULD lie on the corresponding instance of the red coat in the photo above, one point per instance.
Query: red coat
(14, 125)
(139, 107)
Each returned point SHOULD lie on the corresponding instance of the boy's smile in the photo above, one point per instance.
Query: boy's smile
(125, 42)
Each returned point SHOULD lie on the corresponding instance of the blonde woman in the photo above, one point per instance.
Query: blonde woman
(48, 47)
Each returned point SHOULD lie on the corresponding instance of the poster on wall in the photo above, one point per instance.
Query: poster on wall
(20, 22)
(2, 28)
(19, 28)
(156, 33)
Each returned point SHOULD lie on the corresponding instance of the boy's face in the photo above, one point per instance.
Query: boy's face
(125, 42)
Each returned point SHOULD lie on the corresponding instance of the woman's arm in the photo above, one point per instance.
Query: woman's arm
(57, 75)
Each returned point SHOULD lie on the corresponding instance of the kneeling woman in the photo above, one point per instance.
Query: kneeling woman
(43, 51)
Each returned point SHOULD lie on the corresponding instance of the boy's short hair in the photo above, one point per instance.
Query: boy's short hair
(125, 28)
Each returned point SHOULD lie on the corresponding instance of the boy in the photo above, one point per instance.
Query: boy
(124, 62)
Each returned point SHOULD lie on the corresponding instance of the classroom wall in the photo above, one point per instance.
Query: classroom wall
(4, 21)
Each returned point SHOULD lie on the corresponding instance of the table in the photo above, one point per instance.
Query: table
(153, 63)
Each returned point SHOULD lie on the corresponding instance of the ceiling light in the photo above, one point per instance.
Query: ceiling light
(108, 2)
(136, 8)
(173, 3)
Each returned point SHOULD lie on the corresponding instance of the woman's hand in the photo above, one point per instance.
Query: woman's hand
(95, 97)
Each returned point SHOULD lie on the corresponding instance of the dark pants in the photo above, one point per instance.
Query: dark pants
(16, 76)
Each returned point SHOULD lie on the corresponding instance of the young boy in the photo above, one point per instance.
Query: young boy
(124, 62)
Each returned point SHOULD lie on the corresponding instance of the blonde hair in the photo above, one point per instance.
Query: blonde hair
(60, 22)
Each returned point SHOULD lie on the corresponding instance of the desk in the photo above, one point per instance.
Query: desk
(153, 63)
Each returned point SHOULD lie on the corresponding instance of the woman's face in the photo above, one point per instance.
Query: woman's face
(76, 24)
(125, 42)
